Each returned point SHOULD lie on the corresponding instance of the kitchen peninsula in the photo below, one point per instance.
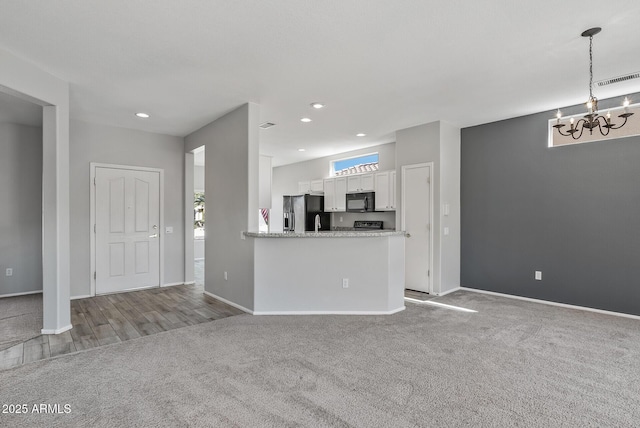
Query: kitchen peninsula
(328, 272)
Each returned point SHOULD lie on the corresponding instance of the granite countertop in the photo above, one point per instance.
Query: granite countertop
(327, 234)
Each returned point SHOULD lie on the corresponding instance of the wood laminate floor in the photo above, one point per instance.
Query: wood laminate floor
(418, 295)
(102, 320)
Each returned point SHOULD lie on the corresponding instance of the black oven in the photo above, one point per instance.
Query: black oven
(361, 202)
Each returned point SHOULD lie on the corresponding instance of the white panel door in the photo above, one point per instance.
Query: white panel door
(416, 213)
(127, 229)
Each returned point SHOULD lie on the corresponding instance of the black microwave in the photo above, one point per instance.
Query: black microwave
(361, 202)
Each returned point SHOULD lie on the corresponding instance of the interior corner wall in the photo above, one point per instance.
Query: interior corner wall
(121, 146)
(415, 145)
(230, 149)
(571, 212)
(21, 78)
(21, 210)
(450, 196)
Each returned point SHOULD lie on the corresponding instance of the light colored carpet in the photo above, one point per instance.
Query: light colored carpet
(20, 319)
(512, 363)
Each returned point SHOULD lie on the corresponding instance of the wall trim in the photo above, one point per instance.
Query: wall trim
(57, 331)
(229, 302)
(172, 284)
(190, 283)
(448, 292)
(198, 259)
(86, 296)
(548, 302)
(330, 312)
(2, 296)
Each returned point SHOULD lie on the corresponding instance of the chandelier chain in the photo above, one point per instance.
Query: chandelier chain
(590, 67)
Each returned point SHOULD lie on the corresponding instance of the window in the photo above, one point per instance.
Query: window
(355, 165)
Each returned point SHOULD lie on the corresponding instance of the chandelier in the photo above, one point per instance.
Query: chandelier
(592, 120)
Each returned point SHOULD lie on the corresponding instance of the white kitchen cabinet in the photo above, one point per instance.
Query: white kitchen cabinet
(385, 188)
(392, 189)
(360, 183)
(317, 186)
(304, 187)
(335, 191)
(340, 197)
(312, 186)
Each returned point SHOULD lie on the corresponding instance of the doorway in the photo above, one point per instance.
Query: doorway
(417, 214)
(126, 213)
(199, 215)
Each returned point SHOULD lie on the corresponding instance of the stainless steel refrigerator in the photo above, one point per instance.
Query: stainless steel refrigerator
(299, 213)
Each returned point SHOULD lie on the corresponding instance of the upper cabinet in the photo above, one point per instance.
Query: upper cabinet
(385, 188)
(335, 191)
(313, 186)
(360, 183)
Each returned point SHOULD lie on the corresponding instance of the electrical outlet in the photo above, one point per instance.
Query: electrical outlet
(538, 275)
(9, 272)
(345, 282)
(226, 277)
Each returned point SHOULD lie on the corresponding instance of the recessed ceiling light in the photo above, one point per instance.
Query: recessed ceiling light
(305, 120)
(301, 150)
(317, 105)
(361, 135)
(143, 115)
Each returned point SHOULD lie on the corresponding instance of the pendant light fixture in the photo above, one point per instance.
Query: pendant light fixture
(592, 120)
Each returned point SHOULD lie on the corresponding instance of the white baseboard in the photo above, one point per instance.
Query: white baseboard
(81, 297)
(172, 284)
(229, 302)
(548, 302)
(330, 312)
(198, 259)
(447, 292)
(189, 283)
(26, 293)
(58, 331)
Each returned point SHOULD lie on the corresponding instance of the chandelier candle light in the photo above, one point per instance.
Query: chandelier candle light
(592, 120)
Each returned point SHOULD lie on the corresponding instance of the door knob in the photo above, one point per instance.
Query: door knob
(408, 235)
(155, 226)
(155, 235)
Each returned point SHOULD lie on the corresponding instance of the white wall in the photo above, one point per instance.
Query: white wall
(231, 162)
(437, 142)
(286, 178)
(111, 145)
(21, 208)
(198, 178)
(450, 195)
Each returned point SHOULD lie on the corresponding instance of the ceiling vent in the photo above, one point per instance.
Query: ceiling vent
(266, 125)
(618, 79)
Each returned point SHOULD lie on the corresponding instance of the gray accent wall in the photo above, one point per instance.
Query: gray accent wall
(120, 146)
(572, 212)
(21, 208)
(231, 183)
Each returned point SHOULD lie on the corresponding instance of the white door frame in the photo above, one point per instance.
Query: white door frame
(92, 203)
(404, 168)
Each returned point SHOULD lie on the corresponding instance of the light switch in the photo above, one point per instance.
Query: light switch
(446, 231)
(168, 229)
(446, 209)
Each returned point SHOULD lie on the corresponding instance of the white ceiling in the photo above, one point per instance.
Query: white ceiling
(378, 65)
